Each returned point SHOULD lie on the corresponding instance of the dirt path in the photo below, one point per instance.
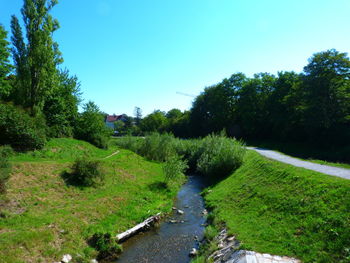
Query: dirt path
(109, 156)
(326, 169)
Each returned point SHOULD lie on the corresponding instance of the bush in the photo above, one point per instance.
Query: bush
(173, 168)
(86, 172)
(5, 167)
(20, 130)
(129, 142)
(158, 147)
(219, 156)
(106, 245)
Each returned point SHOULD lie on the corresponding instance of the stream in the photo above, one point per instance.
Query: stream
(171, 242)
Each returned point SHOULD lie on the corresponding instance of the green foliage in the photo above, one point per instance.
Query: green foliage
(214, 156)
(5, 167)
(90, 126)
(5, 66)
(37, 58)
(220, 156)
(280, 209)
(20, 130)
(61, 106)
(106, 245)
(174, 168)
(154, 122)
(85, 172)
(158, 147)
(313, 106)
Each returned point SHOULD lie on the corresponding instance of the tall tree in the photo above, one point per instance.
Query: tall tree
(5, 66)
(37, 58)
(138, 115)
(327, 90)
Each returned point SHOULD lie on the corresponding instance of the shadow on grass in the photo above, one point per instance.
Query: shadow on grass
(69, 180)
(159, 187)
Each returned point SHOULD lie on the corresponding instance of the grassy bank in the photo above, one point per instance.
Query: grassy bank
(43, 218)
(276, 208)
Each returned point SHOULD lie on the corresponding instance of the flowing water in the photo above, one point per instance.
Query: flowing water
(171, 242)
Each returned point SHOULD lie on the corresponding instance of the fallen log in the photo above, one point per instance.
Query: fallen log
(136, 229)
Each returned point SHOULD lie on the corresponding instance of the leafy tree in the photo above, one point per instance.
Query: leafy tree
(90, 126)
(5, 66)
(155, 121)
(214, 109)
(174, 114)
(327, 90)
(61, 106)
(37, 58)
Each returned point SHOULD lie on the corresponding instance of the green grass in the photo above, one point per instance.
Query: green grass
(280, 209)
(337, 156)
(44, 218)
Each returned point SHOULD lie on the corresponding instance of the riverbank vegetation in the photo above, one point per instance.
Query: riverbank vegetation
(214, 156)
(280, 209)
(310, 109)
(43, 217)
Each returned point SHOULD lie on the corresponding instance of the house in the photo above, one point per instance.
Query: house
(111, 119)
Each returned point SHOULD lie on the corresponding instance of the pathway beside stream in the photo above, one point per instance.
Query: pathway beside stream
(326, 169)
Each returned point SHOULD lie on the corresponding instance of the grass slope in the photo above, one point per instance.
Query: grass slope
(276, 208)
(44, 218)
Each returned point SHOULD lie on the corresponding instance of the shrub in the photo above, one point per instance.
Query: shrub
(86, 172)
(129, 142)
(106, 245)
(219, 156)
(5, 167)
(20, 130)
(173, 168)
(158, 147)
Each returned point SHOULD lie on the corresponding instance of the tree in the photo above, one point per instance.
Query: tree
(90, 126)
(61, 106)
(155, 121)
(36, 59)
(214, 109)
(327, 90)
(5, 66)
(138, 115)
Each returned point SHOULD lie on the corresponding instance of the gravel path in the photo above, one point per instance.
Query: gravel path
(326, 169)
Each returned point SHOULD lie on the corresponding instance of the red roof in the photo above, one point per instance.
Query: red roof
(113, 118)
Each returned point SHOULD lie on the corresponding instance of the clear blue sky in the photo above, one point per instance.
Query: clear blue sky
(130, 53)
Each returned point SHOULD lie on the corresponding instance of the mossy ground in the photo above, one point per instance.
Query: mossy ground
(44, 218)
(280, 209)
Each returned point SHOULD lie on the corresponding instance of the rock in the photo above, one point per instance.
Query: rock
(66, 258)
(180, 212)
(193, 252)
(172, 221)
(186, 206)
(174, 208)
(93, 261)
(205, 212)
(231, 238)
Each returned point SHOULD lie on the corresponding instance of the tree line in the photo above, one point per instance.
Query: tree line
(312, 106)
